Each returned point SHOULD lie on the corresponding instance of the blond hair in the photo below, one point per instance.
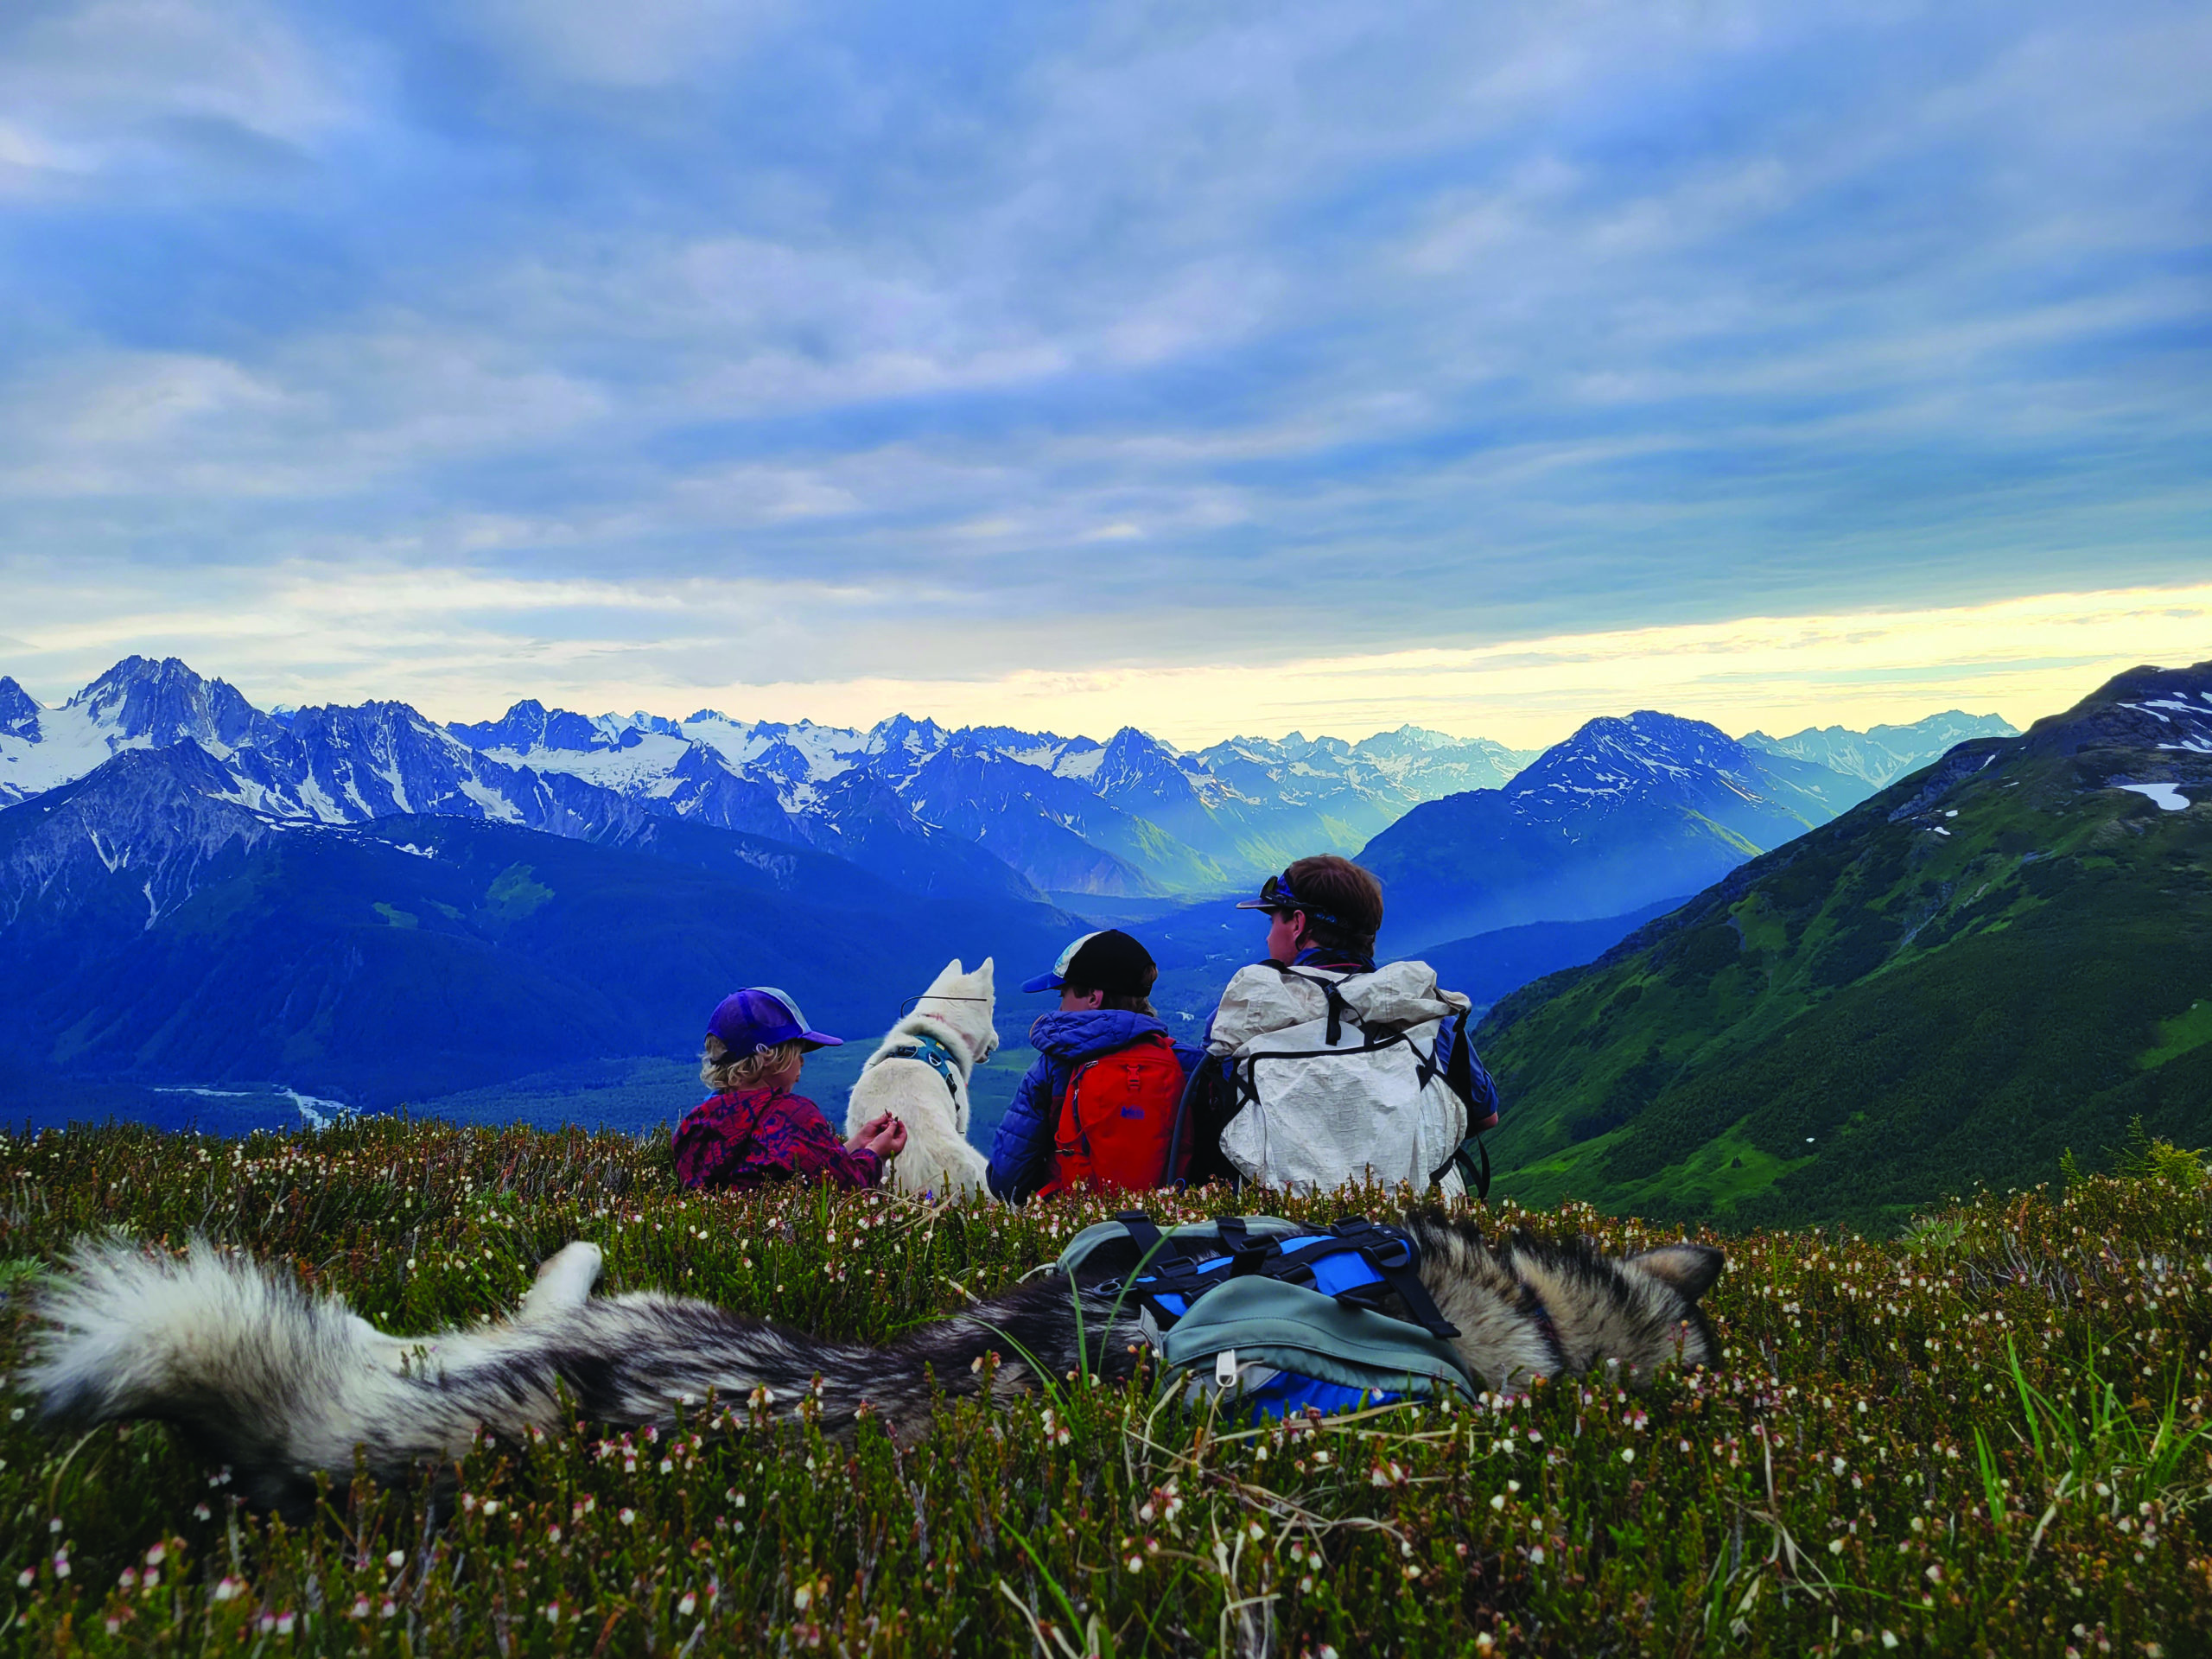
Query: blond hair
(721, 1069)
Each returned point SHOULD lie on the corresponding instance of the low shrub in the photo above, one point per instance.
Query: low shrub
(1989, 1438)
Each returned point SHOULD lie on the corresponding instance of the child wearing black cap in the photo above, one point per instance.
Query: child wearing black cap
(1121, 1123)
(755, 1130)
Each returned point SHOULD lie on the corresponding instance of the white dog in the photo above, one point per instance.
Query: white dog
(920, 1075)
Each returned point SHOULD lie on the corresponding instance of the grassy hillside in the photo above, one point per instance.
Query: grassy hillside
(1990, 1437)
(2000, 958)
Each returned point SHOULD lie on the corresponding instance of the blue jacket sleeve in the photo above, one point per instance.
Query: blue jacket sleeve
(1021, 1151)
(1482, 1093)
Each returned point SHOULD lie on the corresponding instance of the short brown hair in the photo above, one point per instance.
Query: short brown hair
(721, 1069)
(1120, 1000)
(1352, 895)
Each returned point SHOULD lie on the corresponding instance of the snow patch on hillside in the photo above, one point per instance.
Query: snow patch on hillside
(2166, 794)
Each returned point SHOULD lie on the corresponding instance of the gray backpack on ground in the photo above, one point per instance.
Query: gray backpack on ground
(1272, 1317)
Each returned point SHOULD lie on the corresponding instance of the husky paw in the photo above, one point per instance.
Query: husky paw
(565, 1281)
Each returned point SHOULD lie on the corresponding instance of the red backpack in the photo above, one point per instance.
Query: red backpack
(1117, 1120)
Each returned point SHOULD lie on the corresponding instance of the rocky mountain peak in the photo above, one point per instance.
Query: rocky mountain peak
(142, 701)
(2160, 715)
(531, 725)
(18, 713)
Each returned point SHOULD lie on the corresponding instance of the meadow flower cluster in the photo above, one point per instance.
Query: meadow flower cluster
(1989, 1436)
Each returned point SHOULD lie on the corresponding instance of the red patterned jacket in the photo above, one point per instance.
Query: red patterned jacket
(749, 1137)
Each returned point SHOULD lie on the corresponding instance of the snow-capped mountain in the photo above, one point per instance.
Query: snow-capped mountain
(549, 771)
(1625, 813)
(1130, 817)
(1881, 754)
(1391, 770)
(137, 704)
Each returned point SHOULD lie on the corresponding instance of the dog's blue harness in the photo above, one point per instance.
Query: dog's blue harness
(931, 1052)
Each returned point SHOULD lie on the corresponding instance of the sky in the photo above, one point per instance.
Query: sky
(1210, 368)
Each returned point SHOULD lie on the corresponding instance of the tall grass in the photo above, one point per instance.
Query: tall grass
(1991, 1440)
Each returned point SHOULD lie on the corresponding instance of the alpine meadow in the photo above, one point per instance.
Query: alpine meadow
(1988, 1435)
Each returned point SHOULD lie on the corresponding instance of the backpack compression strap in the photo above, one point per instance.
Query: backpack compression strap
(1172, 1266)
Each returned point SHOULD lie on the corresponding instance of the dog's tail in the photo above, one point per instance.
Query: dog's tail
(260, 1376)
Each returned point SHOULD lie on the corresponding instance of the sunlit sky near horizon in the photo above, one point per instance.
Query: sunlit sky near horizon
(1212, 369)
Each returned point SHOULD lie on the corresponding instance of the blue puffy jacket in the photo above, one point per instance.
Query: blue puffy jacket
(1021, 1151)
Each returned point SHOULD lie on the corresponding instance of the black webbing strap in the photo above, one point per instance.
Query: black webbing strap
(1170, 1265)
(1473, 1173)
(1163, 1262)
(1397, 1258)
(1143, 1232)
(1339, 1010)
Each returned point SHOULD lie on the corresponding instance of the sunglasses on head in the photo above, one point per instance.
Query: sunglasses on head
(1276, 894)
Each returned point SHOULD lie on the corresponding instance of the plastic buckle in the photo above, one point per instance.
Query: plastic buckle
(1225, 1368)
(1389, 1253)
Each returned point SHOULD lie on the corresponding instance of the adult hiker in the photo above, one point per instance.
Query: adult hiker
(754, 1130)
(1323, 1068)
(1097, 1110)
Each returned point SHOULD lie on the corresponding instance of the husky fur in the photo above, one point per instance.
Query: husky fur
(279, 1384)
(956, 1011)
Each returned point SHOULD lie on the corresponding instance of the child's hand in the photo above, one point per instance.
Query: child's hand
(885, 1136)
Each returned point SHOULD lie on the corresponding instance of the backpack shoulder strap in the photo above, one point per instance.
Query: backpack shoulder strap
(1339, 1010)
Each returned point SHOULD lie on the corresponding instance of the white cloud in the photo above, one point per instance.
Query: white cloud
(464, 645)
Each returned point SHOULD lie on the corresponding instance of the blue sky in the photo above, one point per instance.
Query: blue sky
(1021, 361)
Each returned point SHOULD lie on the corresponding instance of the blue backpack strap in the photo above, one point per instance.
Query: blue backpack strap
(1394, 1255)
(1165, 1277)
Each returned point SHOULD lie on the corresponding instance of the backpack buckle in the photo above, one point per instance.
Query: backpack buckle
(1224, 1370)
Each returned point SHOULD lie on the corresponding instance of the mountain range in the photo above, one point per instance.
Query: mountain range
(1989, 962)
(1625, 813)
(191, 886)
(1880, 754)
(1026, 812)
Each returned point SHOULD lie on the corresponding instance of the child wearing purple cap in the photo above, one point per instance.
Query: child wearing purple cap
(754, 1130)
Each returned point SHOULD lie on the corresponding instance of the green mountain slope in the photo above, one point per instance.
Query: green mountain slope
(2006, 955)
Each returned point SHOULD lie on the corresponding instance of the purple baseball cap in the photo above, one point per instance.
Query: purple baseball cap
(755, 1020)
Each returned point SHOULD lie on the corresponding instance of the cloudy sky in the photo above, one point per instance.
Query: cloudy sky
(1208, 367)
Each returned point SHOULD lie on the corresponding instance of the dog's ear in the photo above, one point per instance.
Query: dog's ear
(1689, 1269)
(983, 972)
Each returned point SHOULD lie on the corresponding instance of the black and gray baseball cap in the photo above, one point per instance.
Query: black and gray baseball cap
(1109, 961)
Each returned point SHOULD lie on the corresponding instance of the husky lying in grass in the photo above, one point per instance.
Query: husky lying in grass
(279, 1384)
(919, 1075)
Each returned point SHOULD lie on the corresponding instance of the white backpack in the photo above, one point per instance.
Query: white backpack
(1341, 1077)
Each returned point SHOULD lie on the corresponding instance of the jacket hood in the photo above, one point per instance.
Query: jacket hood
(1267, 998)
(1079, 1035)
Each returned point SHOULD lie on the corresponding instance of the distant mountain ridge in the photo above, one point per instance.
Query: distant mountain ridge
(993, 807)
(1882, 754)
(1130, 817)
(1996, 958)
(1623, 814)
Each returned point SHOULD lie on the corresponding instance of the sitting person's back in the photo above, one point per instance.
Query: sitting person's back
(1320, 1067)
(753, 1130)
(1098, 1108)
